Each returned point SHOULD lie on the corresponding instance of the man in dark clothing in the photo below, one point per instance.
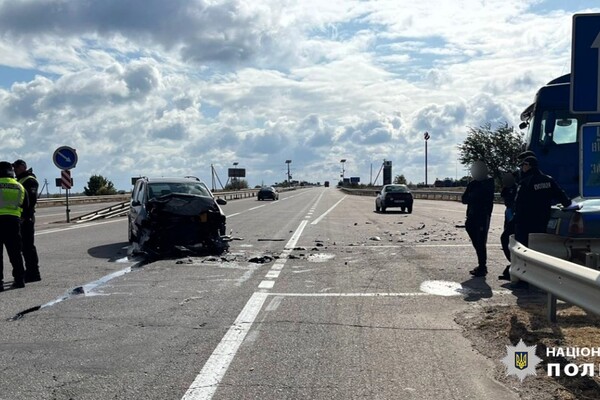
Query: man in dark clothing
(27, 178)
(534, 200)
(479, 198)
(508, 194)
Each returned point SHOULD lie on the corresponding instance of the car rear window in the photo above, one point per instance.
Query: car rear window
(163, 188)
(397, 189)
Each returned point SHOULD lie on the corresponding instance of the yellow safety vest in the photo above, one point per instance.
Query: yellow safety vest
(12, 195)
(22, 180)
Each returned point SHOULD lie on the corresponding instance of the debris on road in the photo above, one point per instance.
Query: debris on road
(261, 260)
(270, 240)
(186, 261)
(375, 238)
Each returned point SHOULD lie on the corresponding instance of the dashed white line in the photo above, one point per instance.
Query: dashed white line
(266, 285)
(273, 274)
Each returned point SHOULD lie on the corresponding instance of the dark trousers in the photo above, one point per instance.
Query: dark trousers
(478, 232)
(509, 229)
(524, 228)
(10, 237)
(29, 251)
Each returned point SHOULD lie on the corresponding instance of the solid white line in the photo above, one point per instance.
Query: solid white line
(266, 285)
(316, 221)
(413, 294)
(206, 383)
(70, 228)
(257, 207)
(232, 215)
(295, 237)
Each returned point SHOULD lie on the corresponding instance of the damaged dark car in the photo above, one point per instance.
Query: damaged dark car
(169, 213)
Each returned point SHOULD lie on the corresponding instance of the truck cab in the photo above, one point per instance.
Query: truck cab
(553, 133)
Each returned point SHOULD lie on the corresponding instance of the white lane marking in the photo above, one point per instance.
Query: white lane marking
(273, 274)
(47, 231)
(294, 239)
(278, 266)
(316, 221)
(394, 246)
(257, 207)
(206, 383)
(266, 285)
(274, 304)
(350, 294)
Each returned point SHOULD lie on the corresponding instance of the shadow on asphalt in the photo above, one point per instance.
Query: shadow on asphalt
(111, 252)
(476, 289)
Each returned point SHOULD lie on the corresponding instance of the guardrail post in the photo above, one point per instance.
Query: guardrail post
(551, 309)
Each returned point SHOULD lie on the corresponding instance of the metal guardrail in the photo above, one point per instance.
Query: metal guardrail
(61, 201)
(121, 209)
(417, 194)
(561, 279)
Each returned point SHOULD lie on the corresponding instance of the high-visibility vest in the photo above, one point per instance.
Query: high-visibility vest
(12, 195)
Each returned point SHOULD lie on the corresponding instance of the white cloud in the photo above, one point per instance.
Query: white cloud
(158, 88)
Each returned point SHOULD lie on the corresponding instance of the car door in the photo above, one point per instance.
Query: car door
(135, 207)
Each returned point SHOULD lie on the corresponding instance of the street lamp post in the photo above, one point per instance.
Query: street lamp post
(343, 161)
(289, 177)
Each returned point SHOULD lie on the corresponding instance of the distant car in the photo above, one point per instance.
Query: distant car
(168, 212)
(326, 184)
(394, 196)
(267, 193)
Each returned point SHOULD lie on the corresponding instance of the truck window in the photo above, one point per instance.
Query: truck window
(565, 130)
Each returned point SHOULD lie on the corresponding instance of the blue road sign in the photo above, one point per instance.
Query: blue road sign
(65, 157)
(590, 161)
(585, 64)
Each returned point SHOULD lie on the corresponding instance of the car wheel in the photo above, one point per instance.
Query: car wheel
(403, 209)
(410, 209)
(383, 209)
(377, 209)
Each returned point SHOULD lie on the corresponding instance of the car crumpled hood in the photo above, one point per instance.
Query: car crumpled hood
(588, 205)
(184, 204)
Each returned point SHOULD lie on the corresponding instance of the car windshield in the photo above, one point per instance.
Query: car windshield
(164, 188)
(266, 190)
(396, 189)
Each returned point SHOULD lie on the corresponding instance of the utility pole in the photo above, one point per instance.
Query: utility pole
(343, 161)
(426, 137)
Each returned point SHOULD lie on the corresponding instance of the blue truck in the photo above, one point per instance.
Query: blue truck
(554, 134)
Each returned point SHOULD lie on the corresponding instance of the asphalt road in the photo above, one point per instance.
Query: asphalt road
(358, 305)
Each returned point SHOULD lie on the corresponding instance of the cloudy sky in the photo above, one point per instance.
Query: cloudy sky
(167, 88)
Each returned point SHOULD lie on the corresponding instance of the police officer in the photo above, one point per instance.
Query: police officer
(12, 198)
(479, 198)
(508, 194)
(534, 200)
(27, 178)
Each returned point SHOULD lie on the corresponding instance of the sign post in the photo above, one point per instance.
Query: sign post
(426, 137)
(65, 158)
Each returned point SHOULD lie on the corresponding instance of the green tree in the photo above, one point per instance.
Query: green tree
(498, 148)
(400, 180)
(99, 186)
(237, 184)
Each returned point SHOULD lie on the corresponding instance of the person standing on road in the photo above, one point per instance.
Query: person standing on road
(27, 178)
(508, 194)
(533, 201)
(479, 198)
(12, 199)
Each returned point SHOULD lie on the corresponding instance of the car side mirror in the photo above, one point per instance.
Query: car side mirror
(135, 203)
(377, 193)
(221, 201)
